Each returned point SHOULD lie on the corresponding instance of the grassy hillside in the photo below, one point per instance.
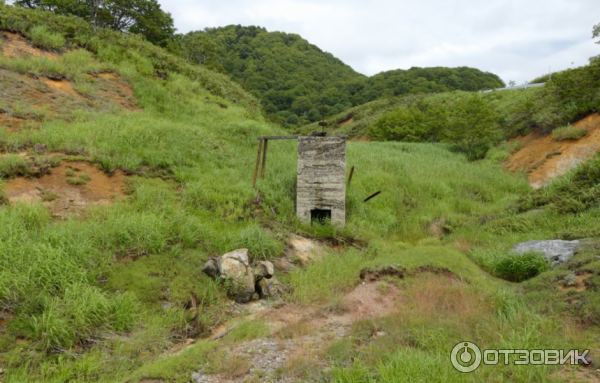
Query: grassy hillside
(112, 293)
(570, 96)
(293, 78)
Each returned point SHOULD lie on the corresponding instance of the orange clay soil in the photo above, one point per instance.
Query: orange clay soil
(62, 86)
(17, 46)
(545, 159)
(12, 124)
(62, 198)
(348, 121)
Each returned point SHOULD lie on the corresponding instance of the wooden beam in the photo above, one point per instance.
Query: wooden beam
(277, 138)
(264, 161)
(372, 196)
(260, 145)
(294, 137)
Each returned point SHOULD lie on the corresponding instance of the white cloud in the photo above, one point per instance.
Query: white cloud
(515, 39)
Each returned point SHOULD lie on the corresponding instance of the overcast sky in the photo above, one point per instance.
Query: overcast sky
(517, 40)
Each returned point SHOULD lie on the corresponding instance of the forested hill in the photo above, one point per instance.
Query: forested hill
(293, 77)
(429, 80)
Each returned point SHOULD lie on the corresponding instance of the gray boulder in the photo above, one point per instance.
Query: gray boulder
(556, 252)
(244, 282)
(269, 288)
(264, 269)
(211, 268)
(234, 264)
(234, 268)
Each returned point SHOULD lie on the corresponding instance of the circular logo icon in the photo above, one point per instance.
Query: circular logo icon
(466, 357)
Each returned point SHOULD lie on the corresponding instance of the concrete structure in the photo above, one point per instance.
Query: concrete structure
(321, 189)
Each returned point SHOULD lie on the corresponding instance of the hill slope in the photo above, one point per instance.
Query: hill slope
(132, 168)
(293, 77)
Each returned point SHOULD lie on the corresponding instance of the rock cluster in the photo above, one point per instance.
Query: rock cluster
(244, 282)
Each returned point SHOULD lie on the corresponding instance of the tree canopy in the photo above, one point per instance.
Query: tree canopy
(136, 16)
(293, 78)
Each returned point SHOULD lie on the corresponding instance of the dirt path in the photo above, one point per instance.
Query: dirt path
(301, 335)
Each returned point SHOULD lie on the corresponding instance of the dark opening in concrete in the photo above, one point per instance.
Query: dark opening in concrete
(320, 215)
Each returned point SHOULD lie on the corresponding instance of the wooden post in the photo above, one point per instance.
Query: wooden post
(260, 144)
(264, 160)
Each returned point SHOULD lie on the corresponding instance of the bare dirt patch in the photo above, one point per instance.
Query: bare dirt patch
(17, 46)
(545, 159)
(62, 86)
(347, 122)
(578, 284)
(364, 138)
(29, 100)
(12, 124)
(117, 89)
(300, 335)
(571, 374)
(62, 197)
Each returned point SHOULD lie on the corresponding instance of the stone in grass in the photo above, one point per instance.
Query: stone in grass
(264, 269)
(234, 268)
(234, 264)
(269, 288)
(211, 268)
(556, 252)
(244, 282)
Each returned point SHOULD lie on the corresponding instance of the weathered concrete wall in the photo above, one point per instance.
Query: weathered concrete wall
(322, 177)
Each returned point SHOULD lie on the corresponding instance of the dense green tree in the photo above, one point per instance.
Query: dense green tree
(201, 50)
(472, 123)
(404, 124)
(136, 16)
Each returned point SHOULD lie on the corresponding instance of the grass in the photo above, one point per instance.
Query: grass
(12, 165)
(520, 267)
(568, 133)
(41, 37)
(103, 297)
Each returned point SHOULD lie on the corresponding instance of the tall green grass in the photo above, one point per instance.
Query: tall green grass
(568, 133)
(96, 297)
(43, 38)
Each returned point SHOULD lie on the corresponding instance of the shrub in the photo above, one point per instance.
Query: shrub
(568, 133)
(520, 267)
(12, 166)
(43, 38)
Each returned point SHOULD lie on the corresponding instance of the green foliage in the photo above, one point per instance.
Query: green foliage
(466, 121)
(201, 49)
(261, 245)
(520, 267)
(247, 330)
(293, 78)
(128, 51)
(139, 16)
(568, 133)
(43, 38)
(336, 273)
(401, 125)
(571, 95)
(575, 192)
(96, 297)
(472, 125)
